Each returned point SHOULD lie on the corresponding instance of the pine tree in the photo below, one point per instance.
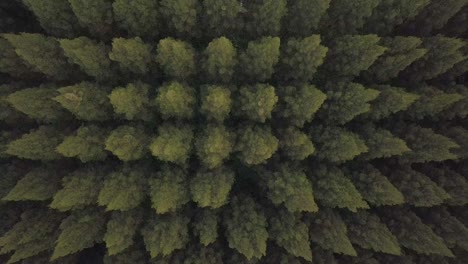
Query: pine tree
(367, 231)
(205, 226)
(87, 101)
(389, 14)
(87, 144)
(264, 17)
(95, 15)
(11, 63)
(351, 54)
(412, 233)
(329, 231)
(431, 103)
(303, 17)
(90, 56)
(71, 239)
(80, 188)
(257, 62)
(346, 17)
(176, 58)
(425, 145)
(203, 255)
(333, 189)
(181, 16)
(38, 104)
(132, 101)
(381, 143)
(246, 227)
(452, 182)
(300, 58)
(42, 53)
(290, 233)
(164, 234)
(219, 60)
(336, 144)
(135, 254)
(221, 17)
(124, 189)
(390, 100)
(460, 108)
(211, 188)
(256, 102)
(38, 144)
(128, 142)
(55, 16)
(295, 144)
(345, 101)
(288, 185)
(417, 188)
(443, 53)
(374, 187)
(133, 55)
(11, 174)
(401, 52)
(33, 234)
(173, 143)
(169, 189)
(256, 144)
(460, 136)
(214, 145)
(297, 105)
(39, 184)
(9, 115)
(121, 230)
(176, 100)
(138, 17)
(216, 102)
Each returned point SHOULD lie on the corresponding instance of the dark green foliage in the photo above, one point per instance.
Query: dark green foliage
(128, 142)
(303, 16)
(336, 144)
(180, 16)
(91, 56)
(381, 143)
(300, 58)
(390, 100)
(431, 103)
(169, 189)
(413, 234)
(11, 174)
(121, 230)
(71, 239)
(297, 105)
(460, 108)
(173, 143)
(55, 16)
(295, 144)
(38, 144)
(256, 144)
(288, 185)
(38, 104)
(257, 62)
(42, 53)
(214, 145)
(374, 187)
(256, 102)
(10, 62)
(137, 17)
(328, 230)
(132, 101)
(211, 188)
(133, 55)
(205, 226)
(79, 188)
(216, 102)
(264, 17)
(289, 232)
(87, 144)
(176, 100)
(246, 227)
(460, 136)
(39, 184)
(367, 231)
(453, 183)
(221, 17)
(176, 58)
(164, 234)
(345, 101)
(134, 254)
(95, 15)
(124, 189)
(87, 101)
(220, 60)
(333, 189)
(417, 188)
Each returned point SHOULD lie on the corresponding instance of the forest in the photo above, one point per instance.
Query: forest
(234, 131)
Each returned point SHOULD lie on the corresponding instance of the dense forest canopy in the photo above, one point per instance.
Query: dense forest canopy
(234, 131)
